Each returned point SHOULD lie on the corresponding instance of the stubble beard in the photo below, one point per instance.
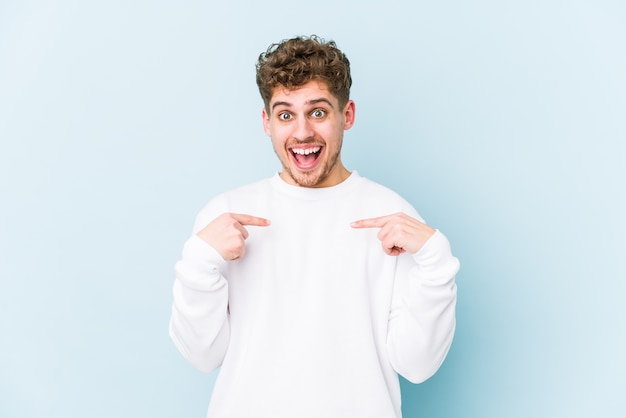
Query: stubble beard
(312, 179)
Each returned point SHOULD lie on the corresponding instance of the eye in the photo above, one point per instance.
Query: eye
(284, 116)
(318, 113)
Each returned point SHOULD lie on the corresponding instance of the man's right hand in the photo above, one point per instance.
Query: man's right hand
(227, 234)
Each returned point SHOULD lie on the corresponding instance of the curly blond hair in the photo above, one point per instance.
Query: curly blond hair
(294, 62)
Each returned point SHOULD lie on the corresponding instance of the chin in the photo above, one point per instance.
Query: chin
(306, 179)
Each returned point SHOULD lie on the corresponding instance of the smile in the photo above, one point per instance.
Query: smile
(306, 157)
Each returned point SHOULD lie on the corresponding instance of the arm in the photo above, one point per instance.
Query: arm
(422, 317)
(199, 325)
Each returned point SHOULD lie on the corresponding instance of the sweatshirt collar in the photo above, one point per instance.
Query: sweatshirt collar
(315, 193)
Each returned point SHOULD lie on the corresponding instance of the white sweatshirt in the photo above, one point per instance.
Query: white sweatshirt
(315, 320)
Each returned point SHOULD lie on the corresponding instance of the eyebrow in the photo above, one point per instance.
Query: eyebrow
(309, 102)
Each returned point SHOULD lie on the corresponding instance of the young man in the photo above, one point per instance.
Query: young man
(314, 288)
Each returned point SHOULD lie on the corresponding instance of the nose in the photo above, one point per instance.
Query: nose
(303, 130)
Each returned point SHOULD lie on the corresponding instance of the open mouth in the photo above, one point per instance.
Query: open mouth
(306, 157)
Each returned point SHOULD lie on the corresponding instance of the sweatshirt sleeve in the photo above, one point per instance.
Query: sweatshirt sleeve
(422, 318)
(199, 324)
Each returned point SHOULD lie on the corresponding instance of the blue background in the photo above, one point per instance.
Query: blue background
(503, 122)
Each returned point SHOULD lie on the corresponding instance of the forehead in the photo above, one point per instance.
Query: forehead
(307, 93)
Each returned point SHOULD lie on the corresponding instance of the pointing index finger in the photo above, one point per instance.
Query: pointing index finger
(250, 220)
(378, 222)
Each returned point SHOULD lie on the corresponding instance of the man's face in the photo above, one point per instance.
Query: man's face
(306, 126)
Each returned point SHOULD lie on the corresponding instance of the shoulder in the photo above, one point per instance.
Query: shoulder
(246, 192)
(371, 190)
(378, 189)
(242, 199)
(382, 200)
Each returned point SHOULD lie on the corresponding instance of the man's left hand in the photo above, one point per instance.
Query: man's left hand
(398, 232)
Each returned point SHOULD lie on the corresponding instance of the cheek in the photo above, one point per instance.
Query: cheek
(276, 135)
(278, 144)
(332, 134)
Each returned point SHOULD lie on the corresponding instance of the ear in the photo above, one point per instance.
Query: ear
(349, 113)
(266, 121)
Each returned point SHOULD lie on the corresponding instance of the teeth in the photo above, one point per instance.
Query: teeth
(303, 151)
